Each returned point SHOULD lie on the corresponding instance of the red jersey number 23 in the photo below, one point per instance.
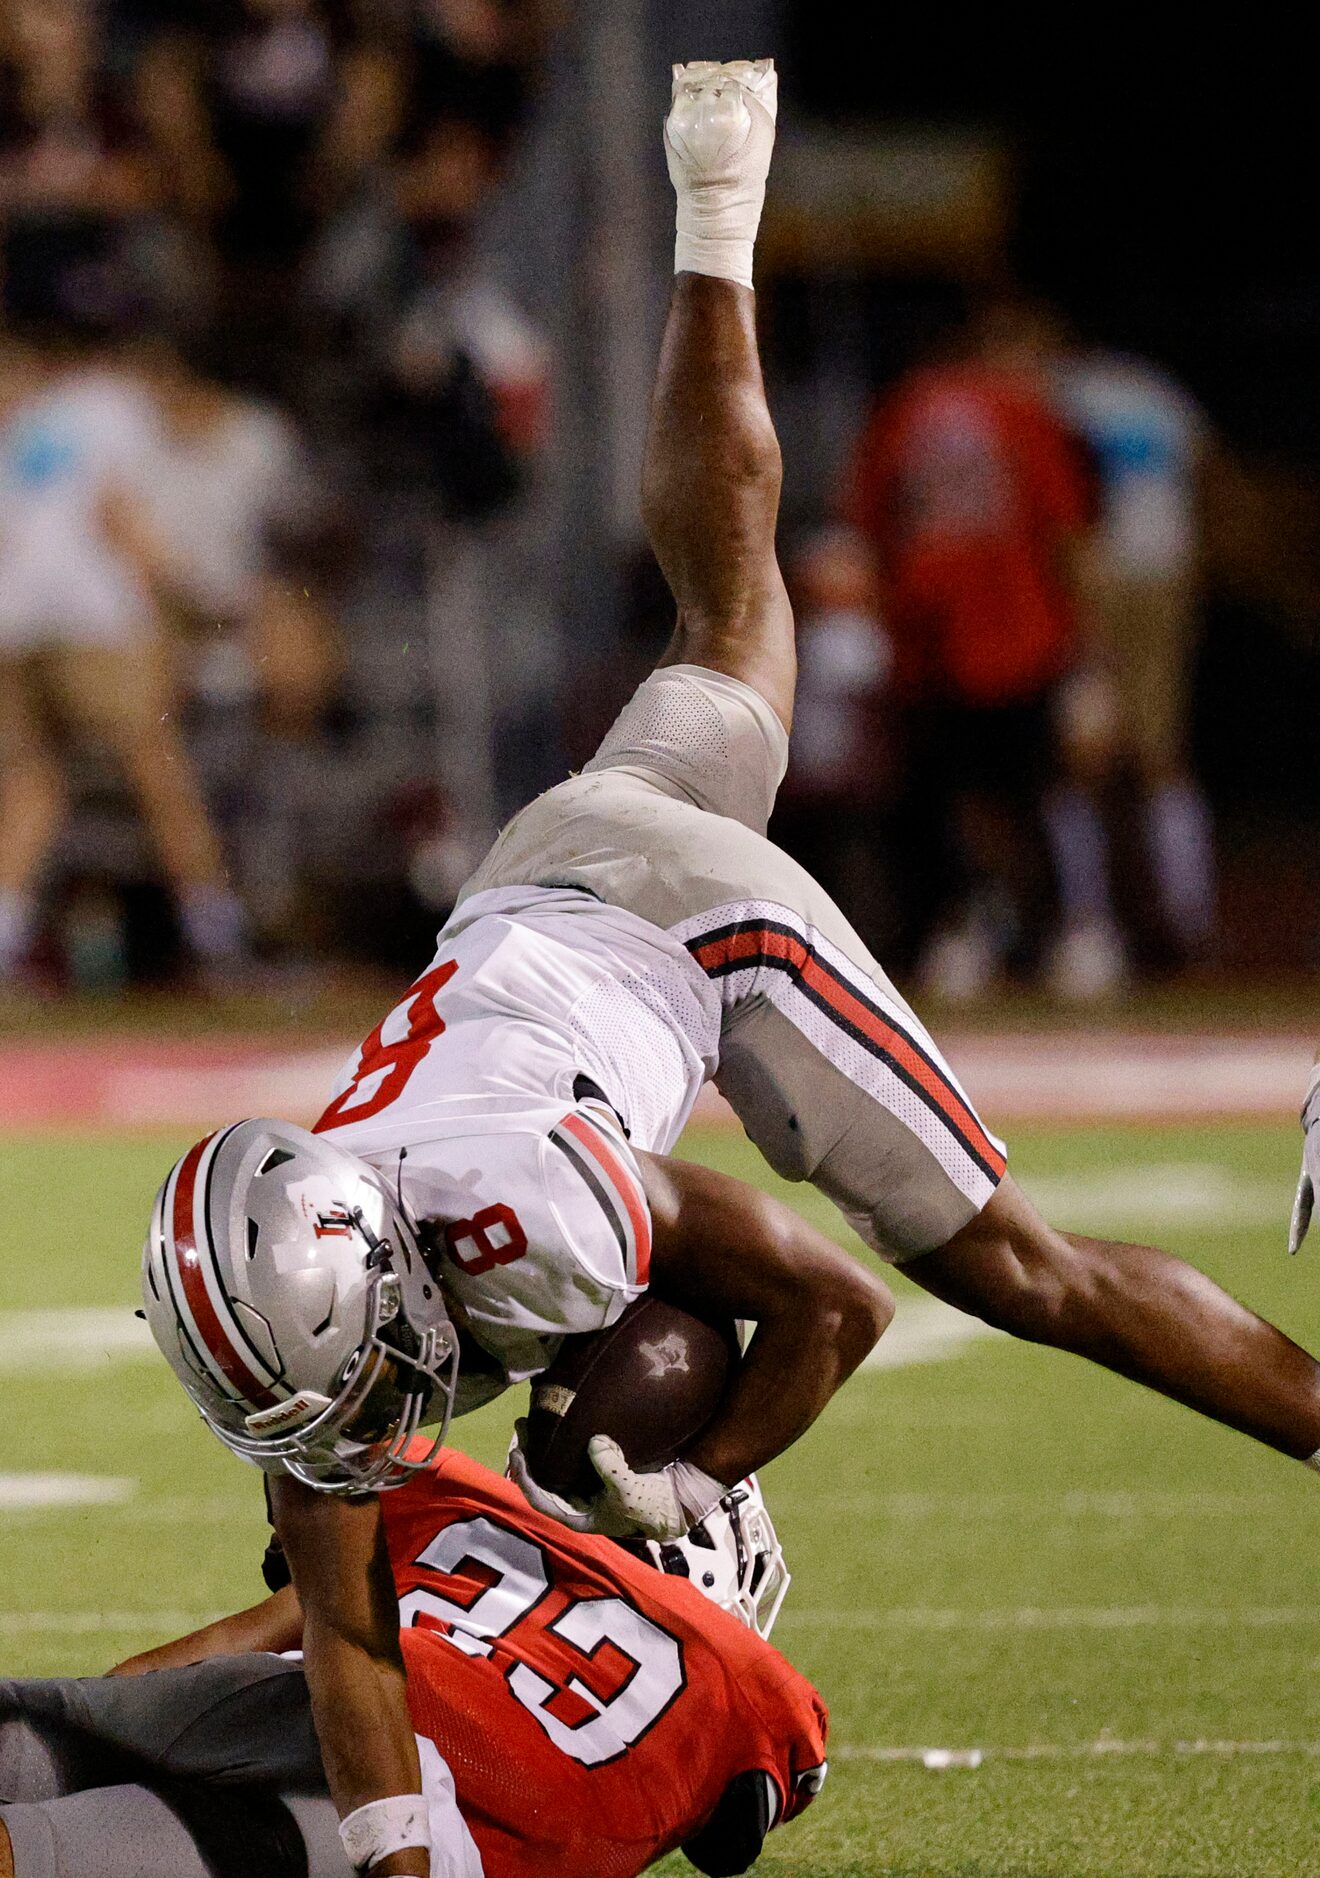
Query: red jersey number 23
(384, 1068)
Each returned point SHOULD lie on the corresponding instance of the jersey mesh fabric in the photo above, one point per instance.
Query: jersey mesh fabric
(715, 740)
(652, 1020)
(664, 716)
(535, 1809)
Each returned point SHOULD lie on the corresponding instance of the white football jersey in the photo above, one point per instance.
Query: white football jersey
(505, 1093)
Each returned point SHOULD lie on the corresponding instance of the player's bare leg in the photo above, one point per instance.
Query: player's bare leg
(711, 480)
(1136, 1310)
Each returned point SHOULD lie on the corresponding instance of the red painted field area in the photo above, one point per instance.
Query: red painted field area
(1060, 1076)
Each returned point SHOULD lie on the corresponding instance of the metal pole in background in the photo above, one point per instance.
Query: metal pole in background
(459, 634)
(626, 105)
(498, 596)
(582, 236)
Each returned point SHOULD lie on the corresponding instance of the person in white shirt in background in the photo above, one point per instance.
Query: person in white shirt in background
(81, 652)
(1147, 439)
(220, 526)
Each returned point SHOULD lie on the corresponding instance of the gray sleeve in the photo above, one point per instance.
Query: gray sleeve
(714, 737)
(233, 1719)
(176, 1831)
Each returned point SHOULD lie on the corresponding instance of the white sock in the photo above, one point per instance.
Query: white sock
(18, 925)
(1181, 840)
(719, 136)
(1080, 850)
(213, 924)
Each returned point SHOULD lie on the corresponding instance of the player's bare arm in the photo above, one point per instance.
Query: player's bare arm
(351, 1656)
(712, 471)
(274, 1625)
(725, 1249)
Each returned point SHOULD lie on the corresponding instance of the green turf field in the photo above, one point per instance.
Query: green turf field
(999, 1549)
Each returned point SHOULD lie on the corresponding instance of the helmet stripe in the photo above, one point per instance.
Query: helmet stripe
(220, 1344)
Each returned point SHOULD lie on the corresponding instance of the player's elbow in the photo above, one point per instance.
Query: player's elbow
(850, 1309)
(866, 1310)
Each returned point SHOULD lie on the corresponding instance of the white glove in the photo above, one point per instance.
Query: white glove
(662, 1505)
(1310, 1176)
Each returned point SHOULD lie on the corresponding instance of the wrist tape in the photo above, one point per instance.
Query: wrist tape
(381, 1827)
(697, 1491)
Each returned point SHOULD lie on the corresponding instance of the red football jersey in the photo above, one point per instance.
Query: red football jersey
(971, 492)
(592, 1709)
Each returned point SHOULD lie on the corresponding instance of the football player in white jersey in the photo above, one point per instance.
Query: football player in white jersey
(494, 1168)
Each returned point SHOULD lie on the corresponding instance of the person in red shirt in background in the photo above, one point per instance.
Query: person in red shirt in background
(976, 503)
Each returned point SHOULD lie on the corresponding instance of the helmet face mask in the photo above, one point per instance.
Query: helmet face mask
(359, 1442)
(291, 1297)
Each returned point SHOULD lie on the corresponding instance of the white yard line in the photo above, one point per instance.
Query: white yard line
(86, 1338)
(180, 1510)
(30, 1493)
(1201, 1196)
(1107, 1747)
(93, 1623)
(1079, 1617)
(926, 1331)
(1052, 1505)
(81, 1338)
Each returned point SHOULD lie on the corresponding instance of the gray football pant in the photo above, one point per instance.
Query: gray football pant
(212, 1771)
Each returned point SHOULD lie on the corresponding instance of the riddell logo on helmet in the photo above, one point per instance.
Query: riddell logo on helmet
(284, 1415)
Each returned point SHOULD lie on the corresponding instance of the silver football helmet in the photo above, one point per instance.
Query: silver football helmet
(733, 1555)
(289, 1294)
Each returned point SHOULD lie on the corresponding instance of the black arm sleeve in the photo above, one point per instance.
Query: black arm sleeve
(274, 1565)
(732, 1838)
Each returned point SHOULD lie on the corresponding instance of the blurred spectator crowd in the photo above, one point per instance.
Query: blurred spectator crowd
(258, 388)
(997, 638)
(247, 361)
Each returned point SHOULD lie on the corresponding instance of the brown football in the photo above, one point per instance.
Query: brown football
(652, 1381)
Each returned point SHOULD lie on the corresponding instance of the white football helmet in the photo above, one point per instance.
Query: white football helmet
(733, 1555)
(289, 1294)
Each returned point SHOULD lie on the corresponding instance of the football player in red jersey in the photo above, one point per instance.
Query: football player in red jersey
(586, 1711)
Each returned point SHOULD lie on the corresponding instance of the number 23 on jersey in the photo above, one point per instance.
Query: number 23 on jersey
(594, 1672)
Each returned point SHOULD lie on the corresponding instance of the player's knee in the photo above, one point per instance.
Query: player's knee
(1051, 1289)
(871, 1307)
(1014, 1271)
